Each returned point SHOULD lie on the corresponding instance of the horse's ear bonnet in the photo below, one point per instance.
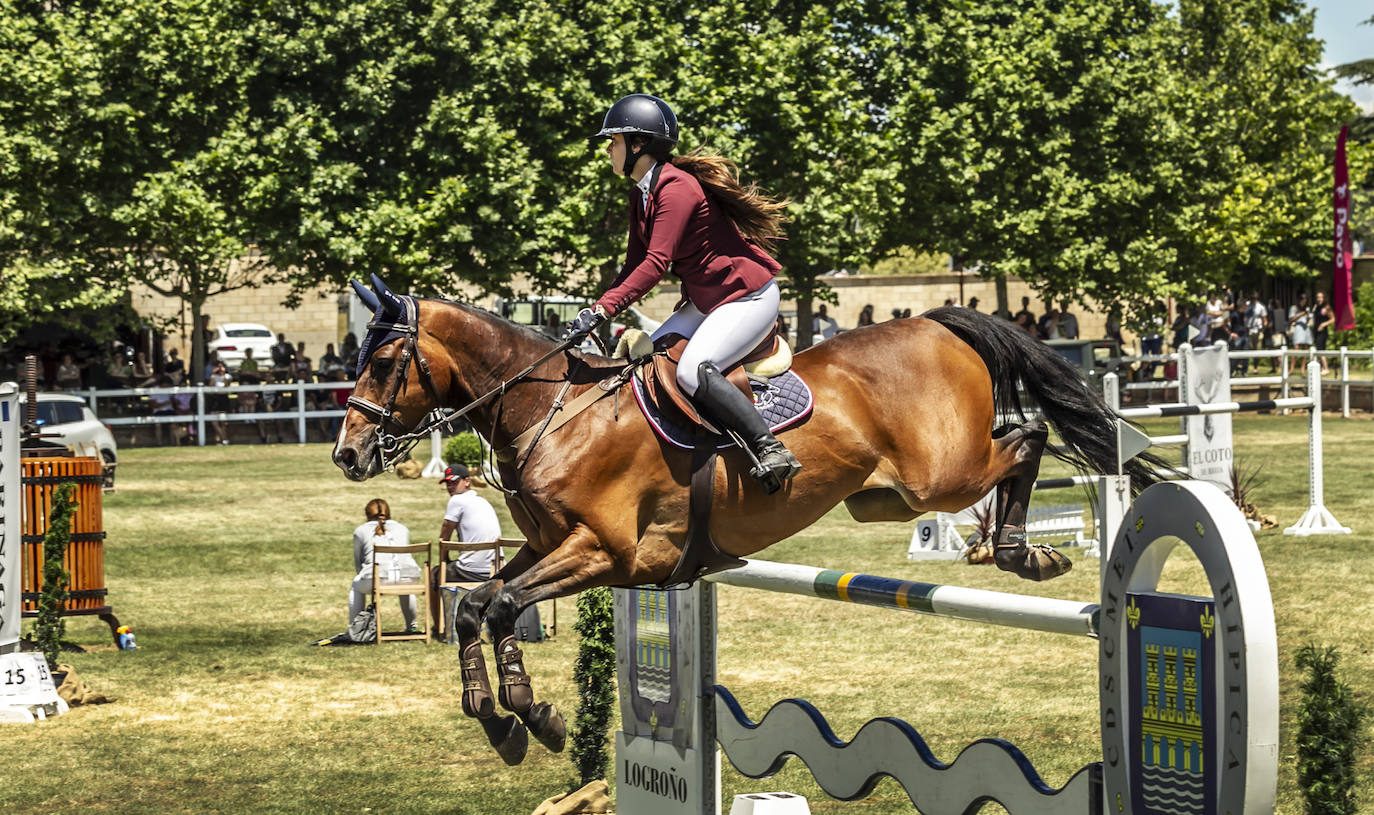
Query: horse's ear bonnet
(390, 317)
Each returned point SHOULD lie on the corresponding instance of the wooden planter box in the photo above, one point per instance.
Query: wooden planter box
(85, 560)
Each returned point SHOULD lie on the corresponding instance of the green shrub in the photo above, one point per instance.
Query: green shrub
(49, 625)
(1329, 722)
(1362, 335)
(594, 675)
(465, 449)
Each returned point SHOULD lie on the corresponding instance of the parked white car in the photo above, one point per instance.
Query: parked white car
(231, 338)
(64, 418)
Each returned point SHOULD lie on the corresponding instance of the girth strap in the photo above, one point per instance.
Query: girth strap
(700, 556)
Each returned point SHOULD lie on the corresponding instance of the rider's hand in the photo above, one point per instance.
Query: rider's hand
(586, 321)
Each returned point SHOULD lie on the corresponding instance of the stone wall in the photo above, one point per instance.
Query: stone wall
(323, 315)
(916, 292)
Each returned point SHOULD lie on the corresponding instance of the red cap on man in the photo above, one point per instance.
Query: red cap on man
(455, 473)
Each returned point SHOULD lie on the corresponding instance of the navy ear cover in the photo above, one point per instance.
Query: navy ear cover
(369, 299)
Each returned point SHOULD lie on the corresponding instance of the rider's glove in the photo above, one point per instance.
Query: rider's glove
(584, 323)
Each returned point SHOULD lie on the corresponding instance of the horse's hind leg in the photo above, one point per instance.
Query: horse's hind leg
(578, 563)
(1026, 443)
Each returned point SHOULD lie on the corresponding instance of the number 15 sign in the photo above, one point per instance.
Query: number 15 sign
(27, 692)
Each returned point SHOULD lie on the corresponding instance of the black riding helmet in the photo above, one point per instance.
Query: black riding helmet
(641, 113)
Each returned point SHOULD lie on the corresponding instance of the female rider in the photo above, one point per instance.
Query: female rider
(691, 212)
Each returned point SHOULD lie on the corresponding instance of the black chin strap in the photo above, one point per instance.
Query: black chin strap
(631, 158)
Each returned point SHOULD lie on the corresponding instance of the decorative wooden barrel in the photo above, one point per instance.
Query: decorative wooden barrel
(85, 551)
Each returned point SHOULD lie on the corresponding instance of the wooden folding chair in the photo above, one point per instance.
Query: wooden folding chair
(448, 552)
(417, 588)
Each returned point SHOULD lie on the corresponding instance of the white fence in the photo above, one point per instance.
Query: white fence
(1291, 365)
(297, 403)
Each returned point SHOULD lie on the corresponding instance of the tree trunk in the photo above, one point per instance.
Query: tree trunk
(197, 372)
(1003, 307)
(805, 338)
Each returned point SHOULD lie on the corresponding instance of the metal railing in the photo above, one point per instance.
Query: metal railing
(1283, 379)
(134, 406)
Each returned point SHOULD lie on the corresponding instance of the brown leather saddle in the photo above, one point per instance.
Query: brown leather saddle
(659, 375)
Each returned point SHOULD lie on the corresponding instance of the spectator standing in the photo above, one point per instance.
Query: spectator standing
(1299, 327)
(1024, 318)
(249, 367)
(1048, 326)
(174, 367)
(1152, 339)
(1278, 331)
(142, 376)
(1180, 327)
(468, 518)
(68, 376)
(823, 325)
(896, 314)
(211, 361)
(866, 315)
(1217, 312)
(329, 361)
(219, 402)
(1200, 327)
(1068, 323)
(301, 365)
(973, 303)
(349, 352)
(1238, 337)
(906, 312)
(162, 405)
(282, 356)
(1256, 316)
(1113, 329)
(1323, 317)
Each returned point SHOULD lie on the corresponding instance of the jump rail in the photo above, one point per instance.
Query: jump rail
(1188, 689)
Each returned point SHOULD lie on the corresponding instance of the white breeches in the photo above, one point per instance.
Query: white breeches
(723, 336)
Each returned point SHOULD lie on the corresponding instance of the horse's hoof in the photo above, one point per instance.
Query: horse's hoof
(515, 693)
(508, 736)
(1031, 562)
(547, 725)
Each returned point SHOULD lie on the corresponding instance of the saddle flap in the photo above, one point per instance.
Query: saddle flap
(660, 381)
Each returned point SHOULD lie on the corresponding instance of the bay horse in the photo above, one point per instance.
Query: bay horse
(903, 424)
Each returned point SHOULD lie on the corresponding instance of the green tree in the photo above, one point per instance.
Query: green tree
(788, 90)
(1266, 122)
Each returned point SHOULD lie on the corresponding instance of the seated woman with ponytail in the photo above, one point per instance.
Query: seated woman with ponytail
(691, 213)
(380, 530)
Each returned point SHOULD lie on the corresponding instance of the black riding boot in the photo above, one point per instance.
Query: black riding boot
(725, 405)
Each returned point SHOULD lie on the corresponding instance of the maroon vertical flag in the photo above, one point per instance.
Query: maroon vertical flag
(1340, 283)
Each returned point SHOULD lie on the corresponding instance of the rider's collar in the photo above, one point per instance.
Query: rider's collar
(646, 184)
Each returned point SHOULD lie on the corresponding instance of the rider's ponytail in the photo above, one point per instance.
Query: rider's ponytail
(759, 217)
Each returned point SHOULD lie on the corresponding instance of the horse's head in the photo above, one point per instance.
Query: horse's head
(395, 391)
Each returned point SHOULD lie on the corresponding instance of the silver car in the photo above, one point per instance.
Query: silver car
(64, 418)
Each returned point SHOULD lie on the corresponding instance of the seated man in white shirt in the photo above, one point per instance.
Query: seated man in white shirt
(468, 518)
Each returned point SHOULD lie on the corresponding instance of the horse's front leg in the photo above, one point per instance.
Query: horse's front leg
(505, 733)
(578, 563)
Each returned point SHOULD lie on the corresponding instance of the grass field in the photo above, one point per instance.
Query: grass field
(227, 561)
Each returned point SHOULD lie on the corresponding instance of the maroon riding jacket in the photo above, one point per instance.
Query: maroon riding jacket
(687, 228)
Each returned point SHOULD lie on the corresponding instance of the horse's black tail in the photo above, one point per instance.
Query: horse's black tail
(1080, 416)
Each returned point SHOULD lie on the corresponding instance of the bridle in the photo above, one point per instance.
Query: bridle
(393, 447)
